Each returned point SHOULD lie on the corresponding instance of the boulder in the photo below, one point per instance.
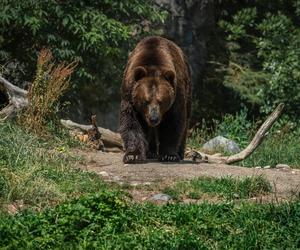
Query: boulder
(221, 143)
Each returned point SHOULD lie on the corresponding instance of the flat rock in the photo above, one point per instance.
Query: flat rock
(282, 166)
(104, 174)
(161, 197)
(222, 143)
(116, 178)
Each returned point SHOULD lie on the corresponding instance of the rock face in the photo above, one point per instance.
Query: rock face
(190, 24)
(222, 143)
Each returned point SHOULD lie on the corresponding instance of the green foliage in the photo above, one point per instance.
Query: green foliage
(200, 134)
(106, 221)
(263, 44)
(282, 145)
(39, 172)
(237, 128)
(63, 226)
(226, 187)
(96, 33)
(279, 50)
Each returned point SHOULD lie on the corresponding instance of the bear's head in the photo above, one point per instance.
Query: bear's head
(153, 93)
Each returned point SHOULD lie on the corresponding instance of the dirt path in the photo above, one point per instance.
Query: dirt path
(285, 182)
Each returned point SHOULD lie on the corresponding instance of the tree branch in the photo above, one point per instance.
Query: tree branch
(256, 141)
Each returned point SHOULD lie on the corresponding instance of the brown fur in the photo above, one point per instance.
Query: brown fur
(156, 101)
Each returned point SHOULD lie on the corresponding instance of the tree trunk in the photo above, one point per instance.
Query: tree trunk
(109, 138)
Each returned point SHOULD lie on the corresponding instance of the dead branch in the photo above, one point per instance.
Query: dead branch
(13, 99)
(109, 138)
(256, 141)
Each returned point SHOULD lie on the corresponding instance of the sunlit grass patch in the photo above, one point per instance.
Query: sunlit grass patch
(226, 187)
(40, 171)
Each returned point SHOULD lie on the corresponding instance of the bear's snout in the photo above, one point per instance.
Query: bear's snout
(154, 117)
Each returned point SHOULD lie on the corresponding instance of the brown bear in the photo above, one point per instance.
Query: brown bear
(155, 101)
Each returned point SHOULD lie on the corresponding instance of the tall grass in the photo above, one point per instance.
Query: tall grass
(281, 145)
(39, 172)
(50, 83)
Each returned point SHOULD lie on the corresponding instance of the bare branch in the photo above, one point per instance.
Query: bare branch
(256, 141)
(109, 138)
(17, 99)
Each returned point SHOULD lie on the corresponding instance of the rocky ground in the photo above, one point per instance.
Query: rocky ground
(145, 181)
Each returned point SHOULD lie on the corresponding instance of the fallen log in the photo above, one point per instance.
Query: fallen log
(256, 141)
(109, 138)
(12, 99)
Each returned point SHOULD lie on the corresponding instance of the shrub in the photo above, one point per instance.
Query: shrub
(264, 59)
(97, 33)
(50, 82)
(236, 127)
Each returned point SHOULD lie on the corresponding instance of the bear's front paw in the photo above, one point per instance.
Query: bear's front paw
(131, 157)
(169, 158)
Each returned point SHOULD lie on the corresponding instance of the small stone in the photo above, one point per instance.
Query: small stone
(161, 197)
(104, 174)
(116, 178)
(293, 172)
(236, 196)
(147, 183)
(126, 165)
(134, 184)
(267, 167)
(283, 166)
(12, 209)
(258, 167)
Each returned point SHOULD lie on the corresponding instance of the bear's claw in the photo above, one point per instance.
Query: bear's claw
(132, 158)
(169, 158)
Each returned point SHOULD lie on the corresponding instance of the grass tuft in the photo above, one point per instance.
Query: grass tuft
(225, 187)
(39, 172)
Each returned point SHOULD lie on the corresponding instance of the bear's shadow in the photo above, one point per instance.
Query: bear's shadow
(164, 163)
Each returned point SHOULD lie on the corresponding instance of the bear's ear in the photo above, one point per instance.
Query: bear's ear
(169, 75)
(139, 73)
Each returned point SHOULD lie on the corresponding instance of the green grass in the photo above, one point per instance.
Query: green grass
(71, 209)
(226, 187)
(277, 149)
(108, 221)
(40, 172)
(281, 145)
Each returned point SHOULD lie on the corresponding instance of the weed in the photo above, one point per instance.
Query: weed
(50, 82)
